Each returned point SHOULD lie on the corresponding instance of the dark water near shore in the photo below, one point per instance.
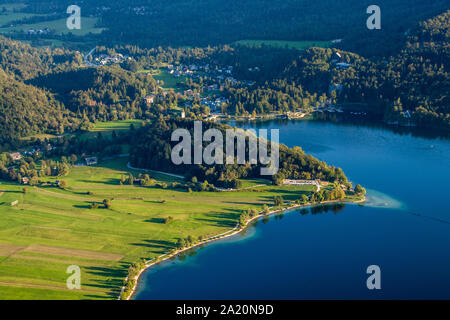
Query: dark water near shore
(404, 228)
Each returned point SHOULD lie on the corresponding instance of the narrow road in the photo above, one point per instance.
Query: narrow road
(231, 189)
(160, 172)
(86, 58)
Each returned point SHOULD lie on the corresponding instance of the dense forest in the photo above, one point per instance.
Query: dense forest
(152, 149)
(105, 93)
(26, 62)
(216, 22)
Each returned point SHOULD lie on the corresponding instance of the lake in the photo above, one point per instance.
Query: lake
(324, 252)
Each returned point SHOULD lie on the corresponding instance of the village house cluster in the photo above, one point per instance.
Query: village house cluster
(217, 78)
(37, 31)
(211, 80)
(104, 59)
(32, 151)
(219, 74)
(185, 70)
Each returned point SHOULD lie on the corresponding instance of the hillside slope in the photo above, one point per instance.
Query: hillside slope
(25, 110)
(24, 62)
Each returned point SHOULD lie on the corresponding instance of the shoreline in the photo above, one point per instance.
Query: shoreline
(236, 230)
(266, 117)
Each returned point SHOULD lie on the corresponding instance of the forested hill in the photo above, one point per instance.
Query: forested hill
(152, 149)
(25, 62)
(44, 90)
(417, 80)
(212, 22)
(25, 110)
(99, 92)
(410, 87)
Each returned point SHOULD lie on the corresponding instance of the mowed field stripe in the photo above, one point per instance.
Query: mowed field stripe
(44, 286)
(86, 254)
(62, 196)
(43, 208)
(55, 260)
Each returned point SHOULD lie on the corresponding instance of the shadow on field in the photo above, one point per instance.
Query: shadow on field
(286, 194)
(161, 246)
(227, 220)
(84, 206)
(155, 201)
(242, 203)
(110, 181)
(156, 220)
(49, 186)
(111, 279)
(93, 296)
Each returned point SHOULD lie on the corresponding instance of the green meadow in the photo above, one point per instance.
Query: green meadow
(300, 45)
(118, 125)
(8, 17)
(170, 81)
(50, 228)
(40, 136)
(88, 25)
(107, 128)
(12, 6)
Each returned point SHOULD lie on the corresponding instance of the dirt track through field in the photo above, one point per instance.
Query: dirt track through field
(60, 195)
(7, 250)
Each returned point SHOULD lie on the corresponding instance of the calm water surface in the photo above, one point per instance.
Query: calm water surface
(323, 253)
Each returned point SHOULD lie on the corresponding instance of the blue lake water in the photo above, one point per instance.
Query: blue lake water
(404, 229)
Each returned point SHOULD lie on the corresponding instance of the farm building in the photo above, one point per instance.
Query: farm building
(343, 65)
(91, 161)
(150, 99)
